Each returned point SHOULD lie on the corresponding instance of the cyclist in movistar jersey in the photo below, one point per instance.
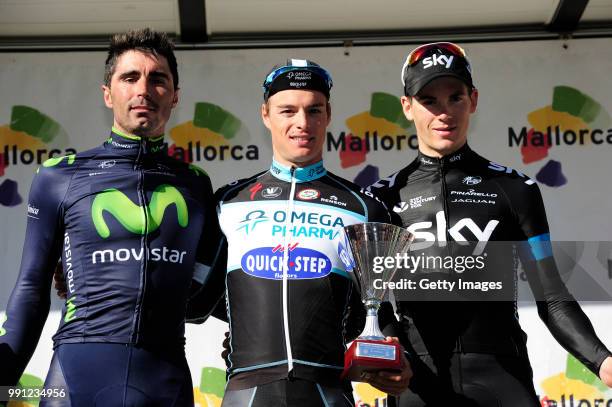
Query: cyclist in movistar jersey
(288, 295)
(474, 353)
(133, 227)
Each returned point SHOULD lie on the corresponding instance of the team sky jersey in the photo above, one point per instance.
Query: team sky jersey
(465, 197)
(127, 221)
(288, 294)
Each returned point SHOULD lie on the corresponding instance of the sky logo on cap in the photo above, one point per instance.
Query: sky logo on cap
(438, 59)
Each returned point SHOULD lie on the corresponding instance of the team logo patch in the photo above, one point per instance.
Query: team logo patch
(333, 199)
(255, 189)
(271, 192)
(308, 194)
(302, 263)
(469, 180)
(251, 220)
(107, 164)
(400, 207)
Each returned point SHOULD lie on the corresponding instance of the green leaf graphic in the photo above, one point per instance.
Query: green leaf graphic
(388, 107)
(217, 119)
(213, 381)
(577, 371)
(35, 123)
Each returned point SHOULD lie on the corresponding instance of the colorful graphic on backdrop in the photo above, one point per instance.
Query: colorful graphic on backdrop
(573, 118)
(214, 134)
(25, 141)
(382, 128)
(212, 387)
(367, 396)
(577, 386)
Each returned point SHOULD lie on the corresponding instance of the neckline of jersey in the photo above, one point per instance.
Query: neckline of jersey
(300, 174)
(455, 158)
(130, 143)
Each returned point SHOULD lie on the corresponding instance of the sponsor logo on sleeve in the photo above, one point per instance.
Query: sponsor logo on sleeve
(271, 192)
(308, 194)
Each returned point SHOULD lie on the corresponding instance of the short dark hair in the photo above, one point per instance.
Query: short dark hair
(145, 40)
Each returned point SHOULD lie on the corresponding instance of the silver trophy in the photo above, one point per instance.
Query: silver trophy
(364, 245)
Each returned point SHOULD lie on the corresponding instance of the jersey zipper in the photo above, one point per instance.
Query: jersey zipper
(444, 203)
(143, 244)
(290, 207)
(459, 344)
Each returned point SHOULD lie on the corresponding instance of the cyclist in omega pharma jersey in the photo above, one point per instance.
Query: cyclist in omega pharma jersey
(474, 353)
(288, 324)
(133, 227)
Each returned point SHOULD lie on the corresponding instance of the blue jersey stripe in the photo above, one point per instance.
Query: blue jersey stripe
(540, 246)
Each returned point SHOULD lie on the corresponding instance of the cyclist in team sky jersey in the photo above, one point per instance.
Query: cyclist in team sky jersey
(132, 227)
(288, 324)
(473, 353)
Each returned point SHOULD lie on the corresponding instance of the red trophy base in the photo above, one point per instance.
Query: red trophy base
(366, 355)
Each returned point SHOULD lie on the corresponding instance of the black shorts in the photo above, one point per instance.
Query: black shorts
(471, 380)
(289, 393)
(109, 374)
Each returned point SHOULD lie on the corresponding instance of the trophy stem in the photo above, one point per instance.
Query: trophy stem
(372, 331)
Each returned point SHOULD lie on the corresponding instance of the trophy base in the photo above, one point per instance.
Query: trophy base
(370, 356)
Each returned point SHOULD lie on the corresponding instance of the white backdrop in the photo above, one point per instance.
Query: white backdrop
(517, 82)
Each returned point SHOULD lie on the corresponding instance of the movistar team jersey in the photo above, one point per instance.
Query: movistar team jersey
(465, 197)
(131, 225)
(288, 293)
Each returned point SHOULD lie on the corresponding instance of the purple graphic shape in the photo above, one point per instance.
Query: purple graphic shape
(551, 174)
(9, 195)
(367, 176)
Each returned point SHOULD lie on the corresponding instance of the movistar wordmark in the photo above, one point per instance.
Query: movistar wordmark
(130, 215)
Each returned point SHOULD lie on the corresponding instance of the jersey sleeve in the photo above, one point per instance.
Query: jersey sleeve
(556, 306)
(377, 210)
(355, 316)
(29, 302)
(208, 285)
(387, 191)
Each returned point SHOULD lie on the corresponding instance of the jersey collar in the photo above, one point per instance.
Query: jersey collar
(450, 160)
(300, 174)
(131, 144)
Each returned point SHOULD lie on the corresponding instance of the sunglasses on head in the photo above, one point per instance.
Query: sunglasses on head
(317, 70)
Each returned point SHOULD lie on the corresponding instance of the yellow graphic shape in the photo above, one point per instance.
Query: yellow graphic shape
(183, 133)
(542, 118)
(364, 122)
(20, 139)
(368, 394)
(205, 399)
(15, 403)
(554, 387)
